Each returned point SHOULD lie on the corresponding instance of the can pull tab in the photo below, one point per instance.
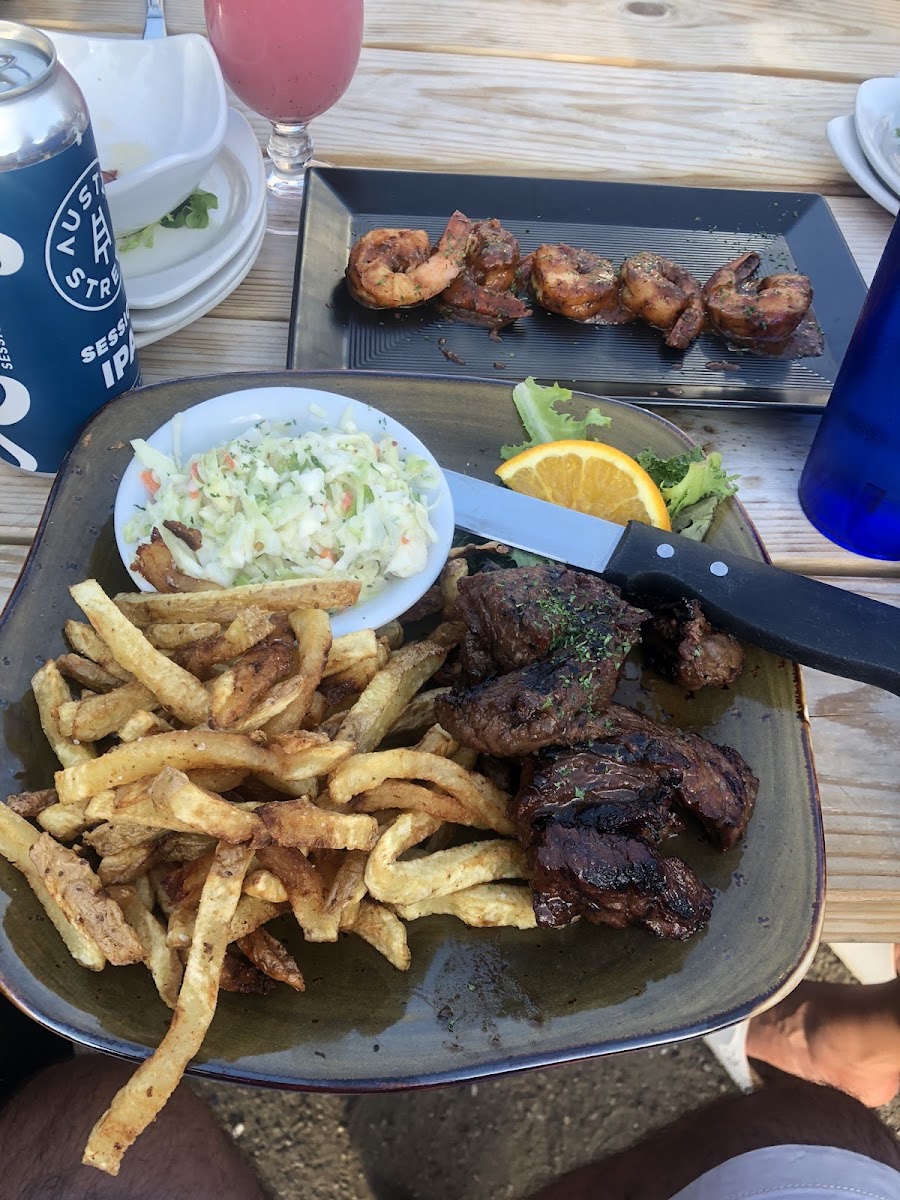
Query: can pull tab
(9, 65)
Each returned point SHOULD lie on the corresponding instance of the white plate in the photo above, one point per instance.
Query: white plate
(181, 315)
(159, 114)
(182, 259)
(845, 144)
(217, 421)
(201, 299)
(877, 117)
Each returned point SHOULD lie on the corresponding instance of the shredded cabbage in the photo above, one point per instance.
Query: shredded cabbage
(277, 504)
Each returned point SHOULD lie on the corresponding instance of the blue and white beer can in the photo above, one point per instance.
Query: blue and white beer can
(66, 344)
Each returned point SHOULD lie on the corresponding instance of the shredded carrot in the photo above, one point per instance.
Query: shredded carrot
(150, 482)
(229, 462)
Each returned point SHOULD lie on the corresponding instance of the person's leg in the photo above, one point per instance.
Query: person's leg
(846, 1035)
(184, 1154)
(785, 1111)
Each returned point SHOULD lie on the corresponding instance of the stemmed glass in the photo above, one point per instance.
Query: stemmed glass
(290, 61)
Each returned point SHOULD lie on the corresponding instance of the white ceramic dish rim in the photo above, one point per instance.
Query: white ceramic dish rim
(209, 145)
(201, 299)
(849, 152)
(869, 113)
(171, 283)
(217, 420)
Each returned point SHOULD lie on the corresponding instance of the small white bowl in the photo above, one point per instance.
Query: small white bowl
(877, 116)
(159, 111)
(217, 421)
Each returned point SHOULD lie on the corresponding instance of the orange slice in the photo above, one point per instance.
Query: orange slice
(590, 477)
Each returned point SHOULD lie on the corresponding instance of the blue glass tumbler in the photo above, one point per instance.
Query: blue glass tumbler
(850, 487)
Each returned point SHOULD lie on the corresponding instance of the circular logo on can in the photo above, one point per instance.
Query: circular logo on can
(81, 250)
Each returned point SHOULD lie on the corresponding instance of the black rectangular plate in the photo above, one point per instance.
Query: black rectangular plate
(701, 228)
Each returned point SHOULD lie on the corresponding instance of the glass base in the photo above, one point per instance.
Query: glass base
(284, 202)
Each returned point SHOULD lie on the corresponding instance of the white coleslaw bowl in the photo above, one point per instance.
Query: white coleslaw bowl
(159, 112)
(222, 418)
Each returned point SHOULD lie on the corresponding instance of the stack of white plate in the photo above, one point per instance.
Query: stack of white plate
(868, 142)
(187, 272)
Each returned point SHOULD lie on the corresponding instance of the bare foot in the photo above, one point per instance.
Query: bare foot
(846, 1035)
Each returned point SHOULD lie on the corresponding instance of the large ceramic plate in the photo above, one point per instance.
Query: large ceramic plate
(701, 228)
(474, 1002)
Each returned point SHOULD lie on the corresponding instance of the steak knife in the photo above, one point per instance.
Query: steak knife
(790, 615)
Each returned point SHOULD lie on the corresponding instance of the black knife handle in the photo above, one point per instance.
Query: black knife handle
(790, 615)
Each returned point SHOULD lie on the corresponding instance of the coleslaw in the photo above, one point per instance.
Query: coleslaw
(279, 504)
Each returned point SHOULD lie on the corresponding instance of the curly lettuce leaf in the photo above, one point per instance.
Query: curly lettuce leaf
(692, 485)
(542, 419)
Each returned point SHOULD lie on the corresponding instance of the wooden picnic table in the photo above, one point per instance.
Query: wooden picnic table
(708, 92)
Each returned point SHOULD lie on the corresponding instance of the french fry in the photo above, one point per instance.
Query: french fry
(391, 690)
(142, 1098)
(436, 874)
(173, 795)
(127, 864)
(173, 635)
(92, 719)
(241, 975)
(110, 839)
(162, 962)
(345, 685)
(185, 847)
(362, 772)
(392, 633)
(85, 641)
(265, 886)
(484, 906)
(312, 630)
(50, 692)
(251, 913)
(270, 956)
(184, 749)
(453, 571)
(282, 596)
(176, 689)
(243, 633)
(402, 795)
(382, 929)
(436, 740)
(182, 888)
(86, 673)
(82, 899)
(301, 823)
(154, 560)
(31, 804)
(66, 821)
(349, 885)
(419, 713)
(349, 649)
(17, 837)
(142, 724)
(305, 889)
(239, 689)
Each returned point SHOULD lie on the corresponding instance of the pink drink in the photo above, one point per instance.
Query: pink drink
(288, 60)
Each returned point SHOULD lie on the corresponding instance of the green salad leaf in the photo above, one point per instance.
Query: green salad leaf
(192, 213)
(537, 406)
(692, 485)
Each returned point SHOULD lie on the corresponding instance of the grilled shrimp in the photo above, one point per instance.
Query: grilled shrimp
(761, 313)
(577, 284)
(664, 295)
(481, 292)
(397, 268)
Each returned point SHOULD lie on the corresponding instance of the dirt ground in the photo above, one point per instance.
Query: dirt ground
(494, 1139)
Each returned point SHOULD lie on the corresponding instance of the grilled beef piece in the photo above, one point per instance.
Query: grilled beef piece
(681, 645)
(518, 615)
(716, 784)
(549, 702)
(544, 647)
(613, 879)
(575, 787)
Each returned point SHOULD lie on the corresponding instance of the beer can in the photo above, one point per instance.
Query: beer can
(66, 344)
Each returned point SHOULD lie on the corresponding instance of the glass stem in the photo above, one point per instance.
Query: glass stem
(290, 150)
